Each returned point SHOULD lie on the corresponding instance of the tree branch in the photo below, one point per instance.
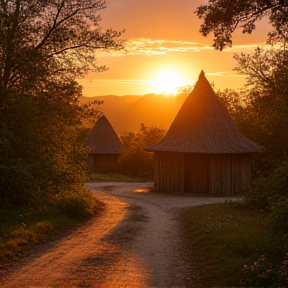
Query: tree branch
(57, 24)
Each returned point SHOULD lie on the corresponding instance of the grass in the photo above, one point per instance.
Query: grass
(225, 237)
(21, 231)
(116, 177)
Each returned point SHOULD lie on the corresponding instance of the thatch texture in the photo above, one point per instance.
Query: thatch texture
(203, 151)
(203, 125)
(103, 138)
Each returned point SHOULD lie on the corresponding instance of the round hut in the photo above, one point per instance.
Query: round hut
(105, 147)
(203, 151)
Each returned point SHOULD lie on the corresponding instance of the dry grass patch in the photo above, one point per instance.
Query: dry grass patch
(21, 231)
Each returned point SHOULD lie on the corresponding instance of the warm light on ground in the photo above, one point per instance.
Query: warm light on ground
(168, 82)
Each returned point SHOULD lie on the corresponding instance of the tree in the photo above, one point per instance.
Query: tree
(261, 109)
(267, 69)
(222, 17)
(45, 46)
(50, 41)
(137, 162)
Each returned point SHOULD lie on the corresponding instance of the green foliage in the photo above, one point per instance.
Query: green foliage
(261, 110)
(271, 193)
(227, 238)
(264, 274)
(78, 204)
(45, 46)
(279, 213)
(266, 190)
(266, 105)
(137, 162)
(223, 16)
(22, 230)
(42, 161)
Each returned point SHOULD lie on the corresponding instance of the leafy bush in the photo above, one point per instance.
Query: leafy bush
(263, 191)
(265, 274)
(225, 237)
(137, 162)
(77, 204)
(279, 214)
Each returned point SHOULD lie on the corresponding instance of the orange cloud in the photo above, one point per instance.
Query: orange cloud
(145, 46)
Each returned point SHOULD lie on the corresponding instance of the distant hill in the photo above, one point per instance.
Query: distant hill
(125, 113)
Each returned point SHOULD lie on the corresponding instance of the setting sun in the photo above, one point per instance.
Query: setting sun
(168, 82)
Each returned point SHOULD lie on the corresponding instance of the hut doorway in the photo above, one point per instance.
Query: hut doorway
(196, 173)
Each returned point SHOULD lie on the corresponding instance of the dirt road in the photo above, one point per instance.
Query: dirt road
(137, 242)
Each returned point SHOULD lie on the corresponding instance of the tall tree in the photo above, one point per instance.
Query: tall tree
(45, 46)
(267, 102)
(267, 69)
(50, 40)
(222, 17)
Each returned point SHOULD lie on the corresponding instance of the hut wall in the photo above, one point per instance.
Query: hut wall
(229, 174)
(169, 172)
(216, 174)
(196, 173)
(103, 163)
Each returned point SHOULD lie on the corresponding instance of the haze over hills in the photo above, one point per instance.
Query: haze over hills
(125, 113)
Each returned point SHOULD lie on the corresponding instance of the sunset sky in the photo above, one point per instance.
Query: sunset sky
(164, 49)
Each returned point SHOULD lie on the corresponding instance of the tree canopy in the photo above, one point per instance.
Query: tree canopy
(44, 42)
(45, 46)
(222, 17)
(137, 162)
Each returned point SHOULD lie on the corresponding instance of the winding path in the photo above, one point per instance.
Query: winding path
(137, 242)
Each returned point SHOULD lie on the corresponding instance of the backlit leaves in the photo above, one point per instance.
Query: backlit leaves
(222, 17)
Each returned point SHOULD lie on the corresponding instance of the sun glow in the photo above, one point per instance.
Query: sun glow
(168, 82)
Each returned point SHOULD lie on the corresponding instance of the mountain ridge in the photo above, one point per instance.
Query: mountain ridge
(127, 112)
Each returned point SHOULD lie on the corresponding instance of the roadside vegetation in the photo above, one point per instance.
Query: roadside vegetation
(137, 162)
(22, 231)
(245, 244)
(236, 246)
(43, 165)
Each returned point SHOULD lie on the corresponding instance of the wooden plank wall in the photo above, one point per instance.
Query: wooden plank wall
(196, 173)
(169, 173)
(224, 174)
(103, 163)
(229, 174)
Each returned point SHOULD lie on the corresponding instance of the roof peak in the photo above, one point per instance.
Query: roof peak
(103, 138)
(203, 125)
(202, 74)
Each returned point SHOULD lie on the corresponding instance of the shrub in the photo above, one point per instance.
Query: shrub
(77, 205)
(264, 274)
(137, 162)
(279, 214)
(264, 189)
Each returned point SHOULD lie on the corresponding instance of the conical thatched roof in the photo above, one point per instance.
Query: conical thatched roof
(103, 138)
(203, 125)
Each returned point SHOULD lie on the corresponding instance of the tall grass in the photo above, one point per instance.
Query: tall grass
(22, 230)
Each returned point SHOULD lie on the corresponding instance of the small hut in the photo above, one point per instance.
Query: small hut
(203, 151)
(105, 147)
